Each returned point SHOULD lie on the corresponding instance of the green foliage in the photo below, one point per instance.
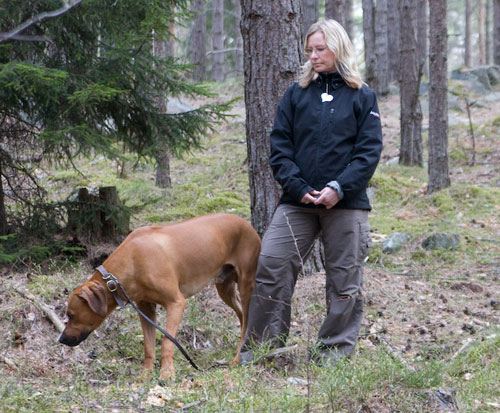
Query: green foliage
(19, 247)
(5, 257)
(95, 88)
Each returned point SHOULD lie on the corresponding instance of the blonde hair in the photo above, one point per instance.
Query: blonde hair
(338, 42)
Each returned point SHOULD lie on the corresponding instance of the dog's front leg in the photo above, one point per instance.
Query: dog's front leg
(175, 309)
(149, 333)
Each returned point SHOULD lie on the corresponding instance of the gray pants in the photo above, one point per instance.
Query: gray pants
(285, 246)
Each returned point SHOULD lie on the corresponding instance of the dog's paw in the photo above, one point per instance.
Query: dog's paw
(167, 376)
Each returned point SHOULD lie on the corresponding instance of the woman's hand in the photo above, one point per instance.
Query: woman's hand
(310, 197)
(327, 197)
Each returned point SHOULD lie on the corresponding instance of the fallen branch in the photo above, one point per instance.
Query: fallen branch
(282, 350)
(59, 325)
(395, 354)
(467, 343)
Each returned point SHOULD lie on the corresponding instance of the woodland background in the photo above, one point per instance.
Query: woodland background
(117, 114)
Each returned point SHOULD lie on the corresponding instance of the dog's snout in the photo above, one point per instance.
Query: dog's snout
(72, 341)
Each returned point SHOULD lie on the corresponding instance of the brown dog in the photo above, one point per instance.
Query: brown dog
(165, 265)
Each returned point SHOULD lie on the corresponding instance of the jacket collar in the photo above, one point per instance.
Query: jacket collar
(334, 80)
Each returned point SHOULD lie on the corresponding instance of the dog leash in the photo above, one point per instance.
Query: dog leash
(113, 284)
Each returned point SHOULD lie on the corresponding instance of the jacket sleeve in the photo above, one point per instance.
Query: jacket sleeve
(282, 159)
(367, 148)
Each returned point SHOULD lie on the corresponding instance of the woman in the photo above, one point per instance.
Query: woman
(325, 146)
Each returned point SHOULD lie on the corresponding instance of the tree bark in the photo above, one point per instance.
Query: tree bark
(349, 20)
(272, 50)
(496, 32)
(162, 156)
(422, 35)
(3, 212)
(340, 10)
(335, 9)
(411, 112)
(112, 225)
(381, 84)
(468, 34)
(480, 31)
(163, 178)
(438, 98)
(218, 40)
(393, 24)
(487, 41)
(369, 40)
(197, 41)
(310, 15)
(238, 56)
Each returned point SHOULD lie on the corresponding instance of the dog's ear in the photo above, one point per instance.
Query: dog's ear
(95, 296)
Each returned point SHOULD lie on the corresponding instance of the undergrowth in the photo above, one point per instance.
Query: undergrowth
(402, 369)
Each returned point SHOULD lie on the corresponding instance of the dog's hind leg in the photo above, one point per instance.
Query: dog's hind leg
(227, 287)
(149, 333)
(246, 283)
(235, 289)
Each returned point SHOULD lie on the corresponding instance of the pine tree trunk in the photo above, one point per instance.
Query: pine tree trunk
(393, 24)
(487, 41)
(349, 20)
(381, 84)
(411, 113)
(369, 40)
(480, 31)
(218, 40)
(422, 35)
(3, 212)
(162, 155)
(335, 9)
(496, 32)
(272, 50)
(163, 178)
(468, 34)
(310, 15)
(197, 41)
(438, 98)
(340, 10)
(170, 42)
(238, 57)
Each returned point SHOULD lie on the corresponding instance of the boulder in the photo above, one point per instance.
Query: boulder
(395, 242)
(441, 241)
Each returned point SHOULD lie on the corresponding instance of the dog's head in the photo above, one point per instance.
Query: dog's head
(87, 309)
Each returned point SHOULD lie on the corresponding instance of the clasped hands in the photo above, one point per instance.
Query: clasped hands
(327, 197)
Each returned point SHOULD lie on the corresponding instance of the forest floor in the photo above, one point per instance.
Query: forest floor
(431, 333)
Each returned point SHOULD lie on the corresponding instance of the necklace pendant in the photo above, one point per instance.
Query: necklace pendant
(325, 97)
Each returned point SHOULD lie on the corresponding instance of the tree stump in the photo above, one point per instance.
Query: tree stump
(99, 217)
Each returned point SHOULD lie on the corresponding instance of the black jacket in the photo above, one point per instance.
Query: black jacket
(315, 142)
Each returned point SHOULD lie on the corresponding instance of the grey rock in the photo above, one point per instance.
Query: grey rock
(494, 74)
(477, 78)
(395, 242)
(441, 241)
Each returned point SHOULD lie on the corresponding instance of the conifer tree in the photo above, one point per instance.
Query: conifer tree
(87, 82)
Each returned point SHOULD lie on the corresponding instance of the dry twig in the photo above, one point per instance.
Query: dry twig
(59, 325)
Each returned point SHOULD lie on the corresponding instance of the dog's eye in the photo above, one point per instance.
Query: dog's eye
(70, 316)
